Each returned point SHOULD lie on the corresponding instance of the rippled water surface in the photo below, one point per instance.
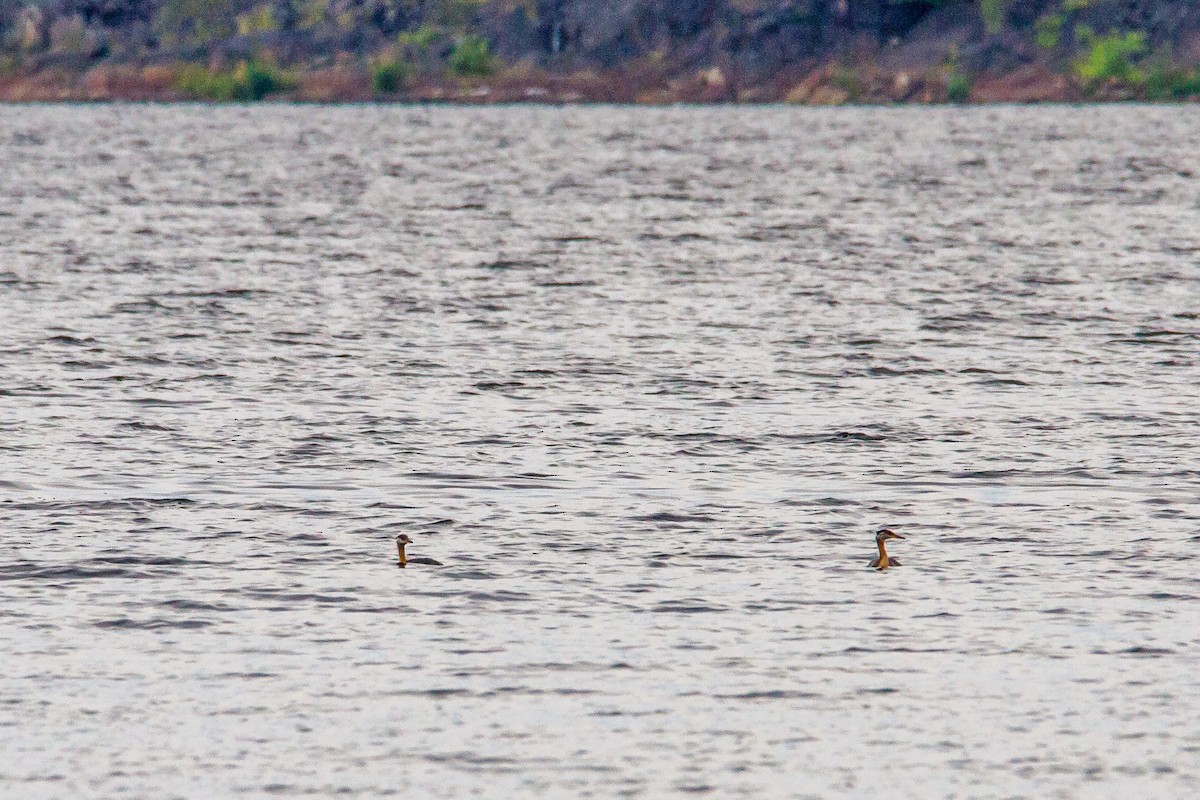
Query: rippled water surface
(646, 380)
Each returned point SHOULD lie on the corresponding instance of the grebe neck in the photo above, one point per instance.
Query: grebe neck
(404, 558)
(883, 556)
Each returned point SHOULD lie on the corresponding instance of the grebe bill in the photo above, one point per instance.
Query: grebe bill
(403, 540)
(884, 561)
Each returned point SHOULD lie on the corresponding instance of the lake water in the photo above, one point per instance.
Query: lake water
(646, 380)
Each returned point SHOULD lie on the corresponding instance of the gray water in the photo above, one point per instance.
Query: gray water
(646, 380)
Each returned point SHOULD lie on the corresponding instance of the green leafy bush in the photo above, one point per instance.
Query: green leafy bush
(389, 77)
(1163, 82)
(312, 13)
(958, 87)
(196, 20)
(197, 82)
(1047, 31)
(470, 57)
(1110, 57)
(850, 81)
(260, 19)
(254, 80)
(993, 12)
(456, 14)
(249, 81)
(422, 38)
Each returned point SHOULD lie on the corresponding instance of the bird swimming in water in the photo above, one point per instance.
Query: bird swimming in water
(883, 562)
(402, 540)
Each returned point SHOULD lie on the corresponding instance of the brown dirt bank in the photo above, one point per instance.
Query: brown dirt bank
(830, 84)
(817, 52)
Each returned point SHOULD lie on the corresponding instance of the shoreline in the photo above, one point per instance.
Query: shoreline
(830, 85)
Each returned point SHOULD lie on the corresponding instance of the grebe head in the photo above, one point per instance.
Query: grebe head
(883, 534)
(403, 539)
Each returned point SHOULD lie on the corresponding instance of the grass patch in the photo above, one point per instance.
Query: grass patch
(249, 81)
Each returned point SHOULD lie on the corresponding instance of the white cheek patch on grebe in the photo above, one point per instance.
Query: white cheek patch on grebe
(401, 541)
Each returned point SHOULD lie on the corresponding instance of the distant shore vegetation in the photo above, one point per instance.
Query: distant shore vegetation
(817, 52)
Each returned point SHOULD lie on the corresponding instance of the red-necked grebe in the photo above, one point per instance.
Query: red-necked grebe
(402, 540)
(881, 536)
